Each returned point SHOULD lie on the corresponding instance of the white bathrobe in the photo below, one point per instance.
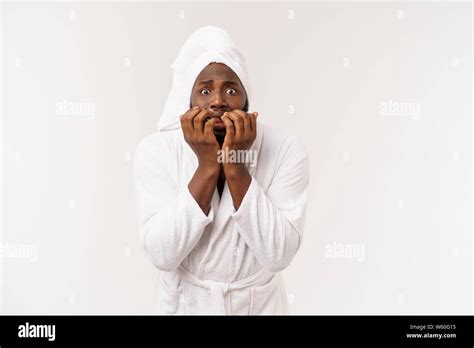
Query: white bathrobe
(228, 261)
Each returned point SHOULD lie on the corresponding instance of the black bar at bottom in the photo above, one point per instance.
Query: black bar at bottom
(291, 330)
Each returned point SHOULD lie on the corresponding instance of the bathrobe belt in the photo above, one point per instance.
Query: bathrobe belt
(219, 289)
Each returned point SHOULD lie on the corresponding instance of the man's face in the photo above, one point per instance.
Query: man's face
(218, 89)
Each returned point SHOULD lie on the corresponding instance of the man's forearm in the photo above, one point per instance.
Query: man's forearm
(203, 185)
(238, 179)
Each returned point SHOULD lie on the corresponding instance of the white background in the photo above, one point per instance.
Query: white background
(398, 186)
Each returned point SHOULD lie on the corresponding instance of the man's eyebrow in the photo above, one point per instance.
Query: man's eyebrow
(230, 82)
(225, 82)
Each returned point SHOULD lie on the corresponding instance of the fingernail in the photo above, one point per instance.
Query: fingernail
(196, 107)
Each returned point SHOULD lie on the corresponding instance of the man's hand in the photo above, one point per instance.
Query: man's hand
(199, 134)
(241, 130)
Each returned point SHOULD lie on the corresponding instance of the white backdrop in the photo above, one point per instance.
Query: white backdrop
(380, 93)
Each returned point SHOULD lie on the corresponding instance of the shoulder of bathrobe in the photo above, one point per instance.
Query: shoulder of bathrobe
(158, 144)
(276, 141)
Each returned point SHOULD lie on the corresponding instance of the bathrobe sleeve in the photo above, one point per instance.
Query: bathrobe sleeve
(170, 220)
(271, 222)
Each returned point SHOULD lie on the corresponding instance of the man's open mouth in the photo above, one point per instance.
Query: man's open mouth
(219, 125)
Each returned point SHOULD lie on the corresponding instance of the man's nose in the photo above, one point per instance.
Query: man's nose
(218, 102)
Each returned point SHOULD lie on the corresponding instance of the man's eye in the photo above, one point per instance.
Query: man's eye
(231, 91)
(205, 90)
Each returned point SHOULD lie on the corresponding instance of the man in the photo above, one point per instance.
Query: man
(219, 227)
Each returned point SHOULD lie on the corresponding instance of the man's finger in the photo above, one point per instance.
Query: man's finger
(198, 120)
(186, 119)
(238, 123)
(253, 121)
(246, 119)
(229, 126)
(192, 112)
(209, 128)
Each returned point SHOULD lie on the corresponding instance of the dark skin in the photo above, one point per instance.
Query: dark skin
(217, 120)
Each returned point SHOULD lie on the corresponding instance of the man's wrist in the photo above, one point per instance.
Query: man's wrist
(210, 171)
(235, 171)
